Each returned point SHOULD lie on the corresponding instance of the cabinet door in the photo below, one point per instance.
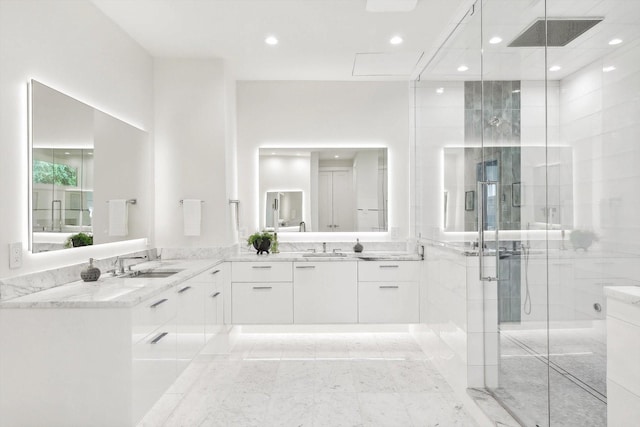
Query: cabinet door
(189, 319)
(261, 271)
(262, 303)
(154, 368)
(213, 301)
(388, 302)
(325, 292)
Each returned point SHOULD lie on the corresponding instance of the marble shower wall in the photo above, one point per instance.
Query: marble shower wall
(495, 114)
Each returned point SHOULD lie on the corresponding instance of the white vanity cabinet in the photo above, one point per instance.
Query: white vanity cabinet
(99, 355)
(388, 292)
(262, 292)
(325, 292)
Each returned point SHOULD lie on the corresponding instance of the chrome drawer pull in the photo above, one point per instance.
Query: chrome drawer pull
(305, 266)
(215, 272)
(159, 337)
(262, 287)
(186, 288)
(390, 266)
(215, 295)
(389, 287)
(260, 266)
(157, 303)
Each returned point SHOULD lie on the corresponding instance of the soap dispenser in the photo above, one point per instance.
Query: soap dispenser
(91, 273)
(357, 247)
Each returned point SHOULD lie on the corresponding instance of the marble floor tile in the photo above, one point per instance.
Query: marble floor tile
(334, 376)
(337, 410)
(290, 410)
(382, 410)
(291, 380)
(372, 376)
(436, 409)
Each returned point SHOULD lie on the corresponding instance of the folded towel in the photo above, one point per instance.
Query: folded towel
(118, 217)
(192, 209)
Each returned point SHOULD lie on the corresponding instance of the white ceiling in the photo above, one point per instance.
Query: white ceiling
(318, 39)
(341, 40)
(509, 18)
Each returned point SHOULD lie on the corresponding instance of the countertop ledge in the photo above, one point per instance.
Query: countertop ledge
(349, 256)
(626, 294)
(110, 291)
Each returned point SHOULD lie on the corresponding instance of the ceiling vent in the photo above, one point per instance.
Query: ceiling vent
(560, 32)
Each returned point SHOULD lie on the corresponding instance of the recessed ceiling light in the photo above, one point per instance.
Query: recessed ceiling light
(336, 157)
(463, 68)
(495, 40)
(555, 68)
(440, 90)
(396, 40)
(609, 68)
(271, 40)
(614, 42)
(67, 153)
(515, 91)
(273, 154)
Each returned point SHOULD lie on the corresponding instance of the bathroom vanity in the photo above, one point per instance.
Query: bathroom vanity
(312, 289)
(102, 353)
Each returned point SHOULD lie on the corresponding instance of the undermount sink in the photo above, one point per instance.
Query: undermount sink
(153, 274)
(325, 255)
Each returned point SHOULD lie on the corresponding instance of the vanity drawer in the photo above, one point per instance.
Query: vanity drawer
(154, 312)
(261, 272)
(388, 302)
(385, 271)
(262, 303)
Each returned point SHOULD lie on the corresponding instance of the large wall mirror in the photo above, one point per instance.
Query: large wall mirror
(89, 174)
(520, 191)
(324, 189)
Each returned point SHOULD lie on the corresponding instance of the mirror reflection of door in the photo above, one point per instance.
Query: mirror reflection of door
(335, 200)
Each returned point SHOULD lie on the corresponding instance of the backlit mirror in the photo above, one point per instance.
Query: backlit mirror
(324, 189)
(520, 189)
(82, 162)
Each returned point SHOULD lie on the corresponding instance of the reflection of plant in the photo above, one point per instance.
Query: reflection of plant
(80, 239)
(54, 173)
(582, 239)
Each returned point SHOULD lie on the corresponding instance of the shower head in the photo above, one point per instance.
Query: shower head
(495, 121)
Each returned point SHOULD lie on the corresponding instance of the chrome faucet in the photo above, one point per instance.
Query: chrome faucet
(303, 227)
(324, 247)
(120, 262)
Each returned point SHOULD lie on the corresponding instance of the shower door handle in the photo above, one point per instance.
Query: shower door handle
(482, 199)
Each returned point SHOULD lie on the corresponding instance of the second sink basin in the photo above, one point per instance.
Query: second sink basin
(325, 255)
(154, 274)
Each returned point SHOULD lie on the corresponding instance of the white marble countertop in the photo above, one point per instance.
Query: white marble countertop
(110, 291)
(626, 294)
(322, 257)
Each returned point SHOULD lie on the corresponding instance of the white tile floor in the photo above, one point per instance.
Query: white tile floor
(334, 380)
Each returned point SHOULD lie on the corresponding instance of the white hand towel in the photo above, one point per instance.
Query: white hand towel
(192, 209)
(118, 217)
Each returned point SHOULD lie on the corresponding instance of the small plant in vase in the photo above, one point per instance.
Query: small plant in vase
(260, 241)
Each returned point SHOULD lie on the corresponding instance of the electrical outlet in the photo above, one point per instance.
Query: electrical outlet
(15, 255)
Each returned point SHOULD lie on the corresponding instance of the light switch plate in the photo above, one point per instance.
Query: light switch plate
(15, 255)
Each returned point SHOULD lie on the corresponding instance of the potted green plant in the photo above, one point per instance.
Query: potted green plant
(80, 239)
(261, 241)
(582, 239)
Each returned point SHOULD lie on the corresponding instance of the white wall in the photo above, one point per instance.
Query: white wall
(324, 114)
(191, 139)
(74, 48)
(599, 117)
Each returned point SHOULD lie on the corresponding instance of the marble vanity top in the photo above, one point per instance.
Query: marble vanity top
(322, 257)
(110, 291)
(626, 294)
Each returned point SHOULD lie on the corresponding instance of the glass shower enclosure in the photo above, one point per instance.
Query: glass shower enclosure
(527, 124)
